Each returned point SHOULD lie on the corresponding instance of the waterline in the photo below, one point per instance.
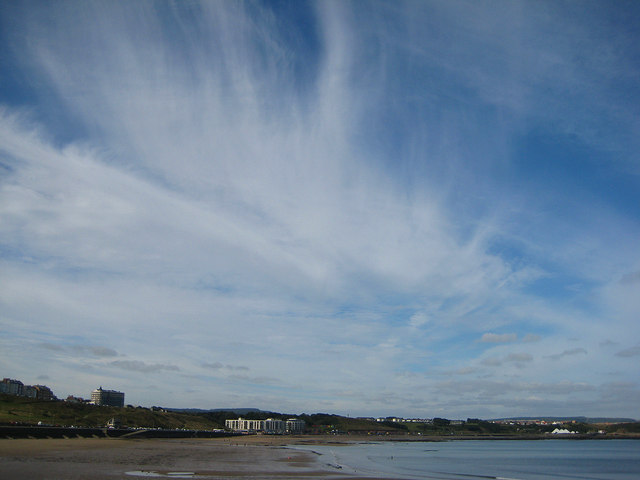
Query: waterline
(494, 460)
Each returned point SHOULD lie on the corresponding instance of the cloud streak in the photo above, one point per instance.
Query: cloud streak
(140, 366)
(498, 338)
(568, 353)
(231, 194)
(629, 352)
(96, 351)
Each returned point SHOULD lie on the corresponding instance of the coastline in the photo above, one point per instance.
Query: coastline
(247, 457)
(241, 457)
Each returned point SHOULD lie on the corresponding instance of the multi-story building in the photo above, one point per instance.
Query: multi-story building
(244, 425)
(295, 425)
(109, 398)
(12, 387)
(29, 391)
(44, 393)
(270, 425)
(16, 387)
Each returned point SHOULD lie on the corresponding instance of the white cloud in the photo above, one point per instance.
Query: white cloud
(218, 366)
(498, 337)
(418, 319)
(139, 366)
(96, 351)
(629, 352)
(531, 337)
(519, 357)
(311, 210)
(569, 352)
(492, 362)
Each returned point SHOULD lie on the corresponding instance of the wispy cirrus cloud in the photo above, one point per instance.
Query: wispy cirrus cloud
(630, 278)
(498, 337)
(531, 337)
(568, 353)
(516, 358)
(96, 351)
(519, 357)
(629, 352)
(220, 366)
(140, 366)
(317, 192)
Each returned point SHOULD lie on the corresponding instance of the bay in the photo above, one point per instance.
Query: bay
(488, 459)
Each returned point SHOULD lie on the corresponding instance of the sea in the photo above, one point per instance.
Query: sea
(616, 459)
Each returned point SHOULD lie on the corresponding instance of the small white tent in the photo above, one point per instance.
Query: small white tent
(562, 431)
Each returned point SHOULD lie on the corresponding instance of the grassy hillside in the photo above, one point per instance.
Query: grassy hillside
(19, 410)
(326, 423)
(23, 411)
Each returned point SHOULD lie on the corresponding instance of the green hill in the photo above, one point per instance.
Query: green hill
(20, 410)
(23, 411)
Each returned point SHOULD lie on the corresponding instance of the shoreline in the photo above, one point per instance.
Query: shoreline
(11, 432)
(128, 459)
(242, 457)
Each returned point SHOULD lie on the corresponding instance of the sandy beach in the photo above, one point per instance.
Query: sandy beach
(249, 457)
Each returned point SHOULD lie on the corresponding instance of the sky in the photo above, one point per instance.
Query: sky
(366, 208)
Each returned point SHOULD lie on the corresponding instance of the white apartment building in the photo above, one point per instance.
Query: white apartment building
(110, 398)
(270, 425)
(295, 425)
(243, 425)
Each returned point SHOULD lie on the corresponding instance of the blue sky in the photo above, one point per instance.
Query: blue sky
(366, 208)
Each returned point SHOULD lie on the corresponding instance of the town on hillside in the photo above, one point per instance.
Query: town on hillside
(34, 405)
(9, 386)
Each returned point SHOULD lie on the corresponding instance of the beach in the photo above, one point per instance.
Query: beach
(319, 457)
(245, 457)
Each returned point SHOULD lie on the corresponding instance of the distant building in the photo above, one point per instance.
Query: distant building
(270, 425)
(295, 425)
(243, 425)
(29, 391)
(16, 387)
(38, 392)
(44, 393)
(109, 398)
(402, 420)
(11, 387)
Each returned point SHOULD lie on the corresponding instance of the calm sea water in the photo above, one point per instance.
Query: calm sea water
(492, 459)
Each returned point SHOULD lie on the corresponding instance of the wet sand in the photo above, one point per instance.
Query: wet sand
(246, 457)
